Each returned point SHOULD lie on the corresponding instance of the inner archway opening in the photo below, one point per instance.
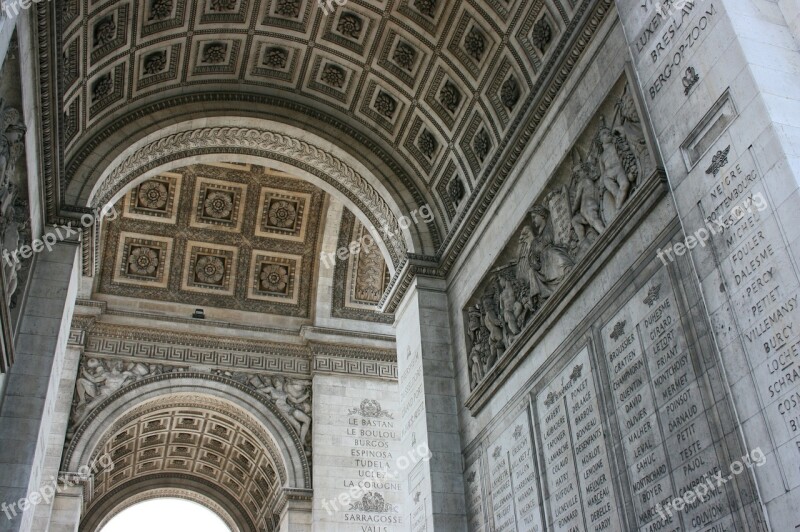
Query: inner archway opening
(166, 515)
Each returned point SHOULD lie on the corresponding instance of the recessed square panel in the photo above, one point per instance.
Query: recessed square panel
(282, 214)
(218, 205)
(273, 277)
(209, 268)
(143, 260)
(155, 200)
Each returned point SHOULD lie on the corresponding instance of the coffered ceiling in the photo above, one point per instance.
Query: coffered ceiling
(436, 88)
(226, 236)
(189, 441)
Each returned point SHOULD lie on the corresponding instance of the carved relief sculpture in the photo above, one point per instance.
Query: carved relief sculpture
(586, 193)
(99, 379)
(293, 398)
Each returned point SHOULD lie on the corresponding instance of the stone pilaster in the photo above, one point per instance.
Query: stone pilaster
(31, 396)
(429, 410)
(719, 79)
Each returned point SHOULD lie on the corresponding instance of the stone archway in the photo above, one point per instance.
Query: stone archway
(269, 143)
(234, 522)
(198, 434)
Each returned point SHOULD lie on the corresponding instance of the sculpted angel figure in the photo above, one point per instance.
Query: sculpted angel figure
(495, 326)
(510, 308)
(98, 381)
(476, 357)
(88, 380)
(289, 397)
(614, 176)
(543, 263)
(12, 143)
(586, 204)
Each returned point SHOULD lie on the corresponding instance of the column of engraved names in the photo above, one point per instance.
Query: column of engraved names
(513, 478)
(474, 497)
(575, 455)
(764, 295)
(681, 406)
(642, 439)
(373, 435)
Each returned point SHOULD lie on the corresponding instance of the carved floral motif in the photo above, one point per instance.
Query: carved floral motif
(475, 43)
(385, 104)
(155, 63)
(160, 9)
(350, 25)
(333, 75)
(404, 55)
(276, 58)
(105, 31)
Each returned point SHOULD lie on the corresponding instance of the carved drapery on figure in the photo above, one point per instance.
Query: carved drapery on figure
(588, 190)
(98, 379)
(13, 210)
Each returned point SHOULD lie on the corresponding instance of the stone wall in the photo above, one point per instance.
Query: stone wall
(626, 393)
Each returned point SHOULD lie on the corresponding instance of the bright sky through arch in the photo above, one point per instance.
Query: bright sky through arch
(166, 515)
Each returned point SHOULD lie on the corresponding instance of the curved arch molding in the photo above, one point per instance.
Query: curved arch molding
(260, 143)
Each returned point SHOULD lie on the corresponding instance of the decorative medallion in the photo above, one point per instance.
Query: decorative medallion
(426, 7)
(385, 104)
(143, 260)
(427, 143)
(210, 269)
(288, 8)
(155, 199)
(510, 93)
(155, 63)
(404, 55)
(350, 25)
(370, 408)
(273, 277)
(282, 214)
(482, 144)
(160, 9)
(214, 53)
(218, 204)
(333, 75)
(450, 96)
(542, 34)
(105, 31)
(275, 57)
(718, 162)
(475, 43)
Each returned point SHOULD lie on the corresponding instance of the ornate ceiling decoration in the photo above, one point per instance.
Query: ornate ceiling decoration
(197, 439)
(360, 281)
(225, 236)
(437, 90)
